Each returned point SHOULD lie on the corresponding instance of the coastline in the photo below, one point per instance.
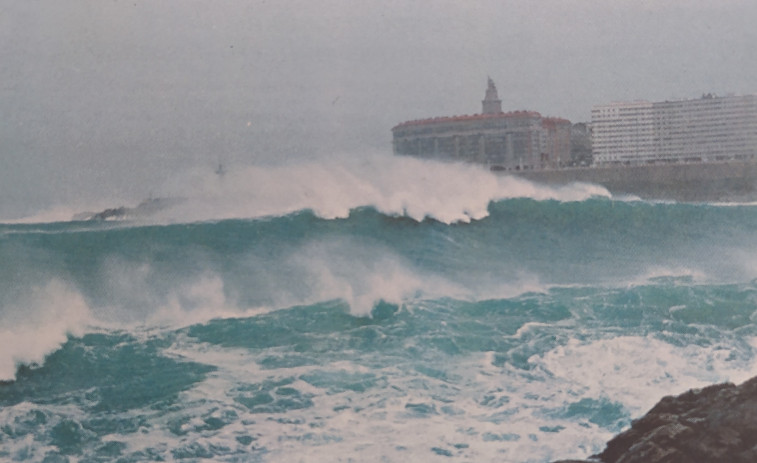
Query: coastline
(710, 425)
(722, 181)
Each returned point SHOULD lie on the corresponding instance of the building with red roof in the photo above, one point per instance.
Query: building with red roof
(516, 140)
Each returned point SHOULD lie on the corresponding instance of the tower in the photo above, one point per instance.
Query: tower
(491, 103)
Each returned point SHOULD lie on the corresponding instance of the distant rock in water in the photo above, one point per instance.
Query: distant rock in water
(143, 209)
(714, 424)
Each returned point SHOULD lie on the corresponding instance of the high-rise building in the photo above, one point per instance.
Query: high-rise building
(707, 129)
(623, 132)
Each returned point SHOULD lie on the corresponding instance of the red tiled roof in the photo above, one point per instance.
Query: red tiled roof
(553, 121)
(474, 117)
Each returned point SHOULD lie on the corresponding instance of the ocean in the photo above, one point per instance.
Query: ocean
(386, 311)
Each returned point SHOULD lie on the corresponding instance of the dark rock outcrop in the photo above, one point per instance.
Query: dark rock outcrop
(142, 210)
(714, 424)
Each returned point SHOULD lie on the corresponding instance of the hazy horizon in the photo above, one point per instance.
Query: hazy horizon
(109, 100)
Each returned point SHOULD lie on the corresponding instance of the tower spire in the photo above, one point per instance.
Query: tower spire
(491, 103)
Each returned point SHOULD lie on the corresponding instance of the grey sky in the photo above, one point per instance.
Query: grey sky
(108, 98)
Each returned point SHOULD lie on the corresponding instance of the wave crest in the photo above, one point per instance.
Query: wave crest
(395, 186)
(39, 324)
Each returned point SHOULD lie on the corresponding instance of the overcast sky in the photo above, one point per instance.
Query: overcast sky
(108, 98)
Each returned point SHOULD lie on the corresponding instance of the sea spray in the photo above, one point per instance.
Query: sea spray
(394, 186)
(38, 323)
(419, 330)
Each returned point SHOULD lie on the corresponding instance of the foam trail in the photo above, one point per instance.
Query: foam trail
(642, 369)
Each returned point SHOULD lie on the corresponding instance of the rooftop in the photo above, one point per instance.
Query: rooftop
(473, 117)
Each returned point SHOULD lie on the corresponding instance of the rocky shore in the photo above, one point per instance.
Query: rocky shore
(714, 424)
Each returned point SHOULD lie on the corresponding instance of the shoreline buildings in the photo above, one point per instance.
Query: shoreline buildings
(688, 150)
(708, 129)
(518, 140)
(704, 130)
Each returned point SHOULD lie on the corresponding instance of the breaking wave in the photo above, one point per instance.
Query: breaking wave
(297, 312)
(395, 186)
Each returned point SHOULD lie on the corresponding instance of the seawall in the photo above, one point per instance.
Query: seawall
(715, 181)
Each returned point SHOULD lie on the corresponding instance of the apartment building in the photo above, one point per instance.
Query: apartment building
(707, 129)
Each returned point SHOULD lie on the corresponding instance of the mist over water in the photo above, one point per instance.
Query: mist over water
(299, 312)
(394, 186)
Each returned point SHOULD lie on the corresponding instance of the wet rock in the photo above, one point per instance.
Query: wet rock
(714, 424)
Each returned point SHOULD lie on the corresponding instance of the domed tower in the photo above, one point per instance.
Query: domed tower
(491, 103)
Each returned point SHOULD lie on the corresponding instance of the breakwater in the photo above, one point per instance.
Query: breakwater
(714, 181)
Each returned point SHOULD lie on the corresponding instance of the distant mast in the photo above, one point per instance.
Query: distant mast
(491, 103)
(220, 171)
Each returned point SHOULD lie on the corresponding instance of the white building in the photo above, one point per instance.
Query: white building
(623, 132)
(707, 129)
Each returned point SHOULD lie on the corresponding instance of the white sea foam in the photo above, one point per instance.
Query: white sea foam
(710, 265)
(38, 324)
(365, 273)
(198, 301)
(407, 416)
(138, 295)
(638, 371)
(137, 299)
(675, 272)
(362, 275)
(16, 419)
(398, 186)
(472, 409)
(53, 214)
(332, 188)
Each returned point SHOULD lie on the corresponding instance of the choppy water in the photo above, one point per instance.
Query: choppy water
(429, 313)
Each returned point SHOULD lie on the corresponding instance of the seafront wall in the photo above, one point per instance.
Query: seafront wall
(715, 181)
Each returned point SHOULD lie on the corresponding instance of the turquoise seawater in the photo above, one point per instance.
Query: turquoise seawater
(533, 333)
